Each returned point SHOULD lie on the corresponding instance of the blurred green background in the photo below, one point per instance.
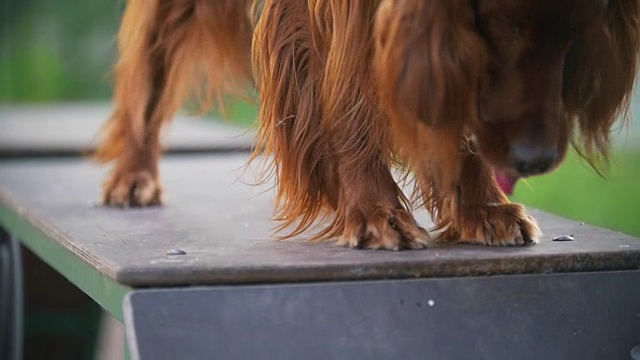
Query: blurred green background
(55, 50)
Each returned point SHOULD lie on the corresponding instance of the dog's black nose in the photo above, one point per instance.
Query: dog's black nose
(530, 160)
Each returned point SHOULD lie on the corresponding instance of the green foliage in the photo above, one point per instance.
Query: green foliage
(56, 50)
(577, 192)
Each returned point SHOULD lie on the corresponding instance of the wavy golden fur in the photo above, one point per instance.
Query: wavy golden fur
(460, 93)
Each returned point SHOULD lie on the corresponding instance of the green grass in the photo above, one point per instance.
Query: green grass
(577, 192)
(240, 112)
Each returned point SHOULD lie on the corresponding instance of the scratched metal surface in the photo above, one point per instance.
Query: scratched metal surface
(223, 226)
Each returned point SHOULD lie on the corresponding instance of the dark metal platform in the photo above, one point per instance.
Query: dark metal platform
(223, 226)
(550, 317)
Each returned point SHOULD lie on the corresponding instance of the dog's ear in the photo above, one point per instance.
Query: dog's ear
(600, 71)
(428, 60)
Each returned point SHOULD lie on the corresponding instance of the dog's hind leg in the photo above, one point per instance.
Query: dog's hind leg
(167, 50)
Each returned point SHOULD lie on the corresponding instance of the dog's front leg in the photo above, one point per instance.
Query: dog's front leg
(372, 210)
(482, 214)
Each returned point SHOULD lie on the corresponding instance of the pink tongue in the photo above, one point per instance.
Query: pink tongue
(506, 182)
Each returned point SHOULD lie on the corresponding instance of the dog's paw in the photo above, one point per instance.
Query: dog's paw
(383, 228)
(494, 225)
(132, 188)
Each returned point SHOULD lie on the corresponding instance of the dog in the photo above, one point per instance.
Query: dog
(467, 96)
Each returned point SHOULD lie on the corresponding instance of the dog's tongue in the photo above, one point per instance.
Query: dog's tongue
(506, 182)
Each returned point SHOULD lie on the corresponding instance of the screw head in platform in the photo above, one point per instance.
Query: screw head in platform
(564, 238)
(176, 252)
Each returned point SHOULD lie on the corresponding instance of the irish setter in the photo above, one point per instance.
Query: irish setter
(465, 95)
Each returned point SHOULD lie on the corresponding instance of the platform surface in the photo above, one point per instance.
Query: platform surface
(71, 129)
(223, 226)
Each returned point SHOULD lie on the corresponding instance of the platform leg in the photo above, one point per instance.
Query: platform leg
(11, 297)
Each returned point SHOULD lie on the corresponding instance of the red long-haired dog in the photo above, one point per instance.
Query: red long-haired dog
(467, 95)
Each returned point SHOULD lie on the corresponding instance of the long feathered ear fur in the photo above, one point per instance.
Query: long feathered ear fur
(429, 63)
(287, 70)
(600, 71)
(429, 59)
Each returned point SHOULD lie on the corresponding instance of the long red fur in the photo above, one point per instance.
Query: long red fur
(348, 90)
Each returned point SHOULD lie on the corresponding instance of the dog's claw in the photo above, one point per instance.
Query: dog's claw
(125, 189)
(383, 228)
(501, 225)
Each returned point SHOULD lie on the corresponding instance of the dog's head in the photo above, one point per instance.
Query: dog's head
(515, 75)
